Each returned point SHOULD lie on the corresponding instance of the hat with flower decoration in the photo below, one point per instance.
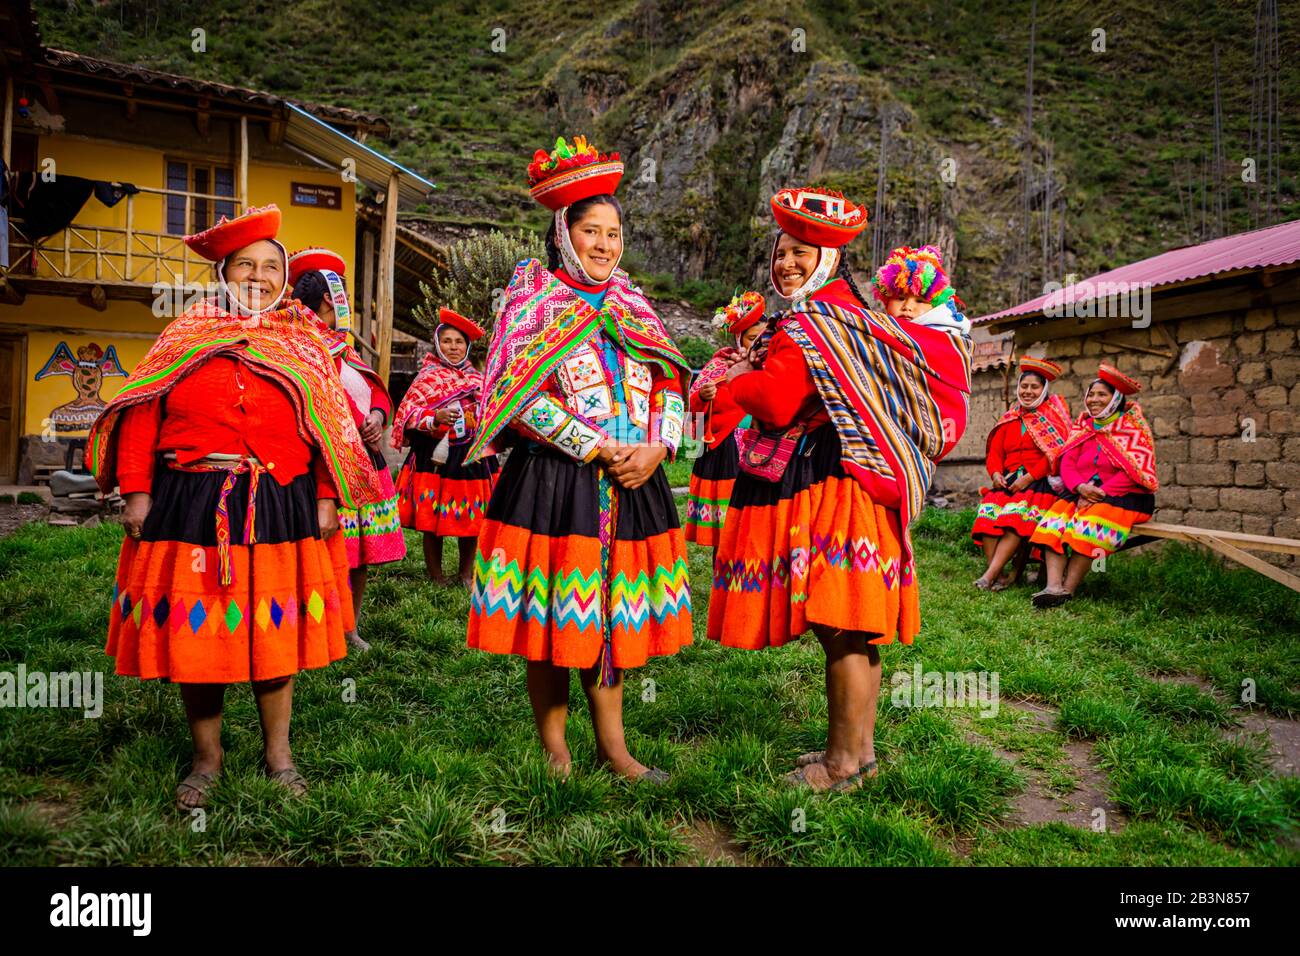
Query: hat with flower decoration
(743, 311)
(572, 171)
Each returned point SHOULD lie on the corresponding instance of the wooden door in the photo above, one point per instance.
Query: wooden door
(11, 413)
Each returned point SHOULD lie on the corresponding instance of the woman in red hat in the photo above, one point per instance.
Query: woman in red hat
(372, 534)
(581, 562)
(852, 409)
(233, 445)
(1108, 470)
(715, 471)
(440, 494)
(1019, 454)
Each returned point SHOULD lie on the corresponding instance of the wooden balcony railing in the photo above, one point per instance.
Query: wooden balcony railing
(112, 255)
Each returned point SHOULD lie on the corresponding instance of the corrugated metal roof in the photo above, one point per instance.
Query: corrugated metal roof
(323, 142)
(1272, 246)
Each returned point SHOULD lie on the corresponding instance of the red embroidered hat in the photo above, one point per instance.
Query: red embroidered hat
(1118, 380)
(459, 322)
(818, 217)
(1048, 369)
(315, 258)
(742, 312)
(228, 235)
(571, 172)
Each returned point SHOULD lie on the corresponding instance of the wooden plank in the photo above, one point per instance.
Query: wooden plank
(1249, 560)
(387, 256)
(1256, 542)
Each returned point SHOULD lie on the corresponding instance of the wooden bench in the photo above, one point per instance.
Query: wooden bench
(1230, 544)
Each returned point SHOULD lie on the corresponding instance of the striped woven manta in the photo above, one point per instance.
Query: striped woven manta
(540, 322)
(898, 393)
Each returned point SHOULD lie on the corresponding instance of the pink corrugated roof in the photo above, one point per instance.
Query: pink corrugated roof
(1272, 246)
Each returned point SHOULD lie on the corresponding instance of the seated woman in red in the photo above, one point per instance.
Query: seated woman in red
(863, 405)
(715, 471)
(1108, 468)
(233, 445)
(1019, 455)
(439, 494)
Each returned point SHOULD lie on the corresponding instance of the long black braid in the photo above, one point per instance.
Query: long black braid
(844, 272)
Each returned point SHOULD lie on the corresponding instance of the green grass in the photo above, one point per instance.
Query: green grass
(436, 763)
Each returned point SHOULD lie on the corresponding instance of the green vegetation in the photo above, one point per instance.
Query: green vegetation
(435, 762)
(1129, 126)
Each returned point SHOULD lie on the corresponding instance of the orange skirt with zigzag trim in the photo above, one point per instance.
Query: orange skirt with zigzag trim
(448, 499)
(814, 549)
(539, 588)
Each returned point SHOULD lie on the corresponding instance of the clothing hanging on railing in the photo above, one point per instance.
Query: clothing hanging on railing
(47, 207)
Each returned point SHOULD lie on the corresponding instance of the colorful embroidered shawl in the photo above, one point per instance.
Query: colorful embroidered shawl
(436, 385)
(1048, 425)
(284, 344)
(898, 393)
(540, 322)
(1127, 441)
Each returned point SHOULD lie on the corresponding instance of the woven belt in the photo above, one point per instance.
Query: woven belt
(234, 466)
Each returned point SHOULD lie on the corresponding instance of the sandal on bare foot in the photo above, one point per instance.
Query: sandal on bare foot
(1050, 598)
(196, 782)
(1001, 584)
(981, 585)
(799, 778)
(290, 779)
(818, 756)
(355, 643)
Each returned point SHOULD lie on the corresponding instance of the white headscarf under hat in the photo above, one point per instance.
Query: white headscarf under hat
(569, 255)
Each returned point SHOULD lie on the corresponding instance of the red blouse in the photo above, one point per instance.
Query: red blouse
(222, 407)
(1011, 448)
(782, 392)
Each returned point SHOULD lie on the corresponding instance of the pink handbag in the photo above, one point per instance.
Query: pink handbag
(765, 454)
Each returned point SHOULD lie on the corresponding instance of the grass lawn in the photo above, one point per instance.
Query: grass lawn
(436, 762)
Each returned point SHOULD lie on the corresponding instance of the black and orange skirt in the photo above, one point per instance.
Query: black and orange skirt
(287, 605)
(1019, 513)
(1095, 530)
(575, 570)
(813, 549)
(447, 499)
(712, 479)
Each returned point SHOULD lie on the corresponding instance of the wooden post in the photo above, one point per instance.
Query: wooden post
(130, 228)
(387, 254)
(9, 120)
(243, 163)
(367, 287)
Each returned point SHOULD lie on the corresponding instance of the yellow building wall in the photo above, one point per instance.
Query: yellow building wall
(128, 325)
(97, 159)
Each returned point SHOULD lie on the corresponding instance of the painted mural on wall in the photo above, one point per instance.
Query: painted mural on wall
(86, 373)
